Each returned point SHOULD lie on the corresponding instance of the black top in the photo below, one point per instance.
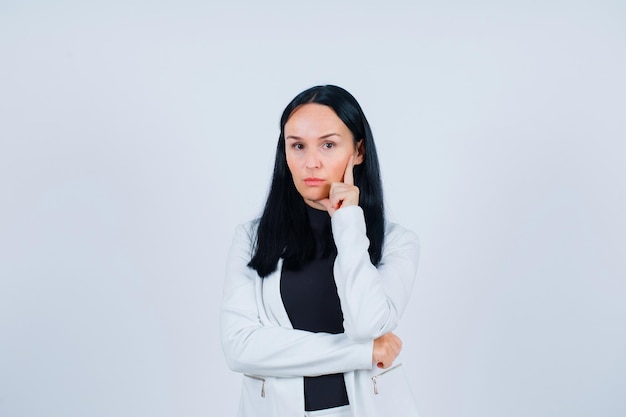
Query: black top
(310, 298)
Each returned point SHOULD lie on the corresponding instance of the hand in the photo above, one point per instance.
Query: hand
(386, 349)
(344, 193)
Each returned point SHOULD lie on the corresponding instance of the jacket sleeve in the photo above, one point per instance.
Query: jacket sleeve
(372, 298)
(253, 345)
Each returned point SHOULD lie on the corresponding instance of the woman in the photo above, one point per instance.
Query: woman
(315, 286)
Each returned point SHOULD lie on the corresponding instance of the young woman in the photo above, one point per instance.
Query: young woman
(315, 287)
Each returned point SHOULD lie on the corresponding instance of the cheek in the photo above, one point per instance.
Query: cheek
(291, 164)
(339, 171)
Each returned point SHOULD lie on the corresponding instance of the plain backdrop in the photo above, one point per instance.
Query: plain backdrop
(135, 135)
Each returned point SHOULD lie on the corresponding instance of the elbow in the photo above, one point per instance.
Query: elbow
(231, 357)
(235, 360)
(234, 364)
(241, 351)
(234, 348)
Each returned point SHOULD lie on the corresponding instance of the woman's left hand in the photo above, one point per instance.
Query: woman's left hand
(344, 193)
(386, 349)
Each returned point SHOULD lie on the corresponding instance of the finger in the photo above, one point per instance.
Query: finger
(397, 343)
(344, 195)
(396, 351)
(334, 197)
(327, 204)
(395, 348)
(348, 177)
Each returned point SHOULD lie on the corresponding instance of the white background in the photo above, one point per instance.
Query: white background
(135, 135)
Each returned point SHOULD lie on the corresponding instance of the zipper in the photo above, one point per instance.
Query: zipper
(258, 378)
(375, 377)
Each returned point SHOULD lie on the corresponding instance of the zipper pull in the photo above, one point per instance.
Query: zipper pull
(263, 389)
(375, 386)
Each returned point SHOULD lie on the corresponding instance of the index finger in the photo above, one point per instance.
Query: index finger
(348, 177)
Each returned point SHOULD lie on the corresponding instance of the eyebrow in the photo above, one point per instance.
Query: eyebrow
(326, 136)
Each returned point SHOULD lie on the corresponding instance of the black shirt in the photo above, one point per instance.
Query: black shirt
(311, 301)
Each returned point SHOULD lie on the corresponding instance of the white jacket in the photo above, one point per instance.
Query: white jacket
(259, 341)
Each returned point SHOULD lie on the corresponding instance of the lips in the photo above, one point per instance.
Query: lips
(312, 182)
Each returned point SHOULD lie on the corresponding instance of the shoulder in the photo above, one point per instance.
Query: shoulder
(249, 227)
(245, 235)
(395, 231)
(400, 239)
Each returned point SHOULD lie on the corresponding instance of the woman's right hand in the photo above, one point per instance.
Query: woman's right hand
(386, 349)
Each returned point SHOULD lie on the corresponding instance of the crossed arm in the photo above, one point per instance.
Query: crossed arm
(372, 299)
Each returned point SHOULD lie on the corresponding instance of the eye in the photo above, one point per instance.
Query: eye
(328, 145)
(298, 146)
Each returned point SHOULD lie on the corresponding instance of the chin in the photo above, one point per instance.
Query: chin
(314, 196)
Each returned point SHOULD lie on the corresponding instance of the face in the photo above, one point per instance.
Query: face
(318, 146)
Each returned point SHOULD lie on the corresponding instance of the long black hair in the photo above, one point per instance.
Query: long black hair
(283, 228)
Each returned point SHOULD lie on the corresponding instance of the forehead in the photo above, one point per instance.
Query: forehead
(314, 120)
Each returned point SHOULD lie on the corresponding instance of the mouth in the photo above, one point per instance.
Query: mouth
(313, 181)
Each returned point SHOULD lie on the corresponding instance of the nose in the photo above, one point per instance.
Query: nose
(312, 160)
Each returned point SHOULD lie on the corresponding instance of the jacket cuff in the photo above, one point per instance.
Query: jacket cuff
(349, 218)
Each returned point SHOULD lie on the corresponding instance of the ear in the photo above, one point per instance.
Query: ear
(359, 152)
